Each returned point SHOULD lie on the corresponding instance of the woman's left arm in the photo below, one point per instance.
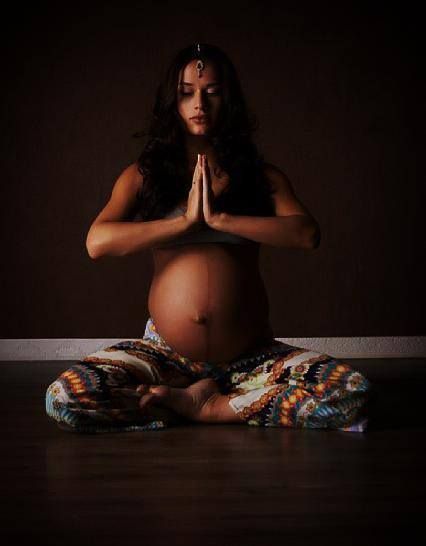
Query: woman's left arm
(294, 231)
(292, 227)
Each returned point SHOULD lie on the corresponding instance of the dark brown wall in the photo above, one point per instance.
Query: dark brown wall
(339, 98)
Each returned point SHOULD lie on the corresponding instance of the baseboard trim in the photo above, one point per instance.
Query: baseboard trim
(339, 347)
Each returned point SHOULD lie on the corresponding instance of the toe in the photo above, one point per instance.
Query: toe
(156, 389)
(162, 392)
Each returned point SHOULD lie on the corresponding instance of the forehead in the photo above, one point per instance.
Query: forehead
(190, 74)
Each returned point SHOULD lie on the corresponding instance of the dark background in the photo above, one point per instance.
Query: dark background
(339, 97)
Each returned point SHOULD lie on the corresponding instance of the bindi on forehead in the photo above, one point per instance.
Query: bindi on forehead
(188, 77)
(191, 71)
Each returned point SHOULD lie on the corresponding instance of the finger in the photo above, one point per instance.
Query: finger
(197, 172)
(205, 165)
(206, 175)
(205, 192)
(197, 166)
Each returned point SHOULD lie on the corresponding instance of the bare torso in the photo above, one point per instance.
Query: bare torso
(208, 300)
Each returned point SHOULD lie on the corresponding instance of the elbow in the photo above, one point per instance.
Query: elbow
(92, 247)
(92, 252)
(98, 244)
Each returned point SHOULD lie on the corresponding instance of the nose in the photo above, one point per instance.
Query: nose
(200, 102)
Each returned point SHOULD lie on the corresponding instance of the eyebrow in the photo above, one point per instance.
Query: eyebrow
(208, 85)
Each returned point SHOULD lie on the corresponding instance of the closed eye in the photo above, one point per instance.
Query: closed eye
(212, 93)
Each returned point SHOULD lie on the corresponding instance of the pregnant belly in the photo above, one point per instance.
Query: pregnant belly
(209, 306)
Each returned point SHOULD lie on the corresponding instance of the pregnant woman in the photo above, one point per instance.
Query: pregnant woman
(206, 201)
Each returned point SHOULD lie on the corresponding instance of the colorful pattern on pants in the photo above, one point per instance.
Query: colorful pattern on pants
(278, 385)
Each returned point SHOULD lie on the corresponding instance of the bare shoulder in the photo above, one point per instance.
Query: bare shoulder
(276, 177)
(123, 202)
(132, 177)
(285, 200)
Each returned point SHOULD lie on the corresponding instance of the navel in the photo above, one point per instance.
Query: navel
(200, 319)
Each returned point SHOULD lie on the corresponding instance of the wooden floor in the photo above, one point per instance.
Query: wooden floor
(220, 484)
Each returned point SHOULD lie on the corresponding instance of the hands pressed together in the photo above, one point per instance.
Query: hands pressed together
(201, 195)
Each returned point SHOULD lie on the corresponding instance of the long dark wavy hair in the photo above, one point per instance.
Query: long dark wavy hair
(164, 163)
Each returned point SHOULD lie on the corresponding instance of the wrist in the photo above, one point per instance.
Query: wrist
(191, 225)
(219, 221)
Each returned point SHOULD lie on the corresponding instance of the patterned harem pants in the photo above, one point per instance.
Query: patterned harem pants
(278, 385)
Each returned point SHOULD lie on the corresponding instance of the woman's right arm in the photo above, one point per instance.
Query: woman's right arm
(111, 235)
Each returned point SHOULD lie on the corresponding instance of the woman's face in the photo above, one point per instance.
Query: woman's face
(199, 97)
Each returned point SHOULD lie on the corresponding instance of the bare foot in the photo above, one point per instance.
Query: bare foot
(191, 402)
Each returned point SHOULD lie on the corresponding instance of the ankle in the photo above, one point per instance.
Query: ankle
(217, 410)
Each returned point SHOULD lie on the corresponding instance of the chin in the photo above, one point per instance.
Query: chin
(199, 129)
(201, 132)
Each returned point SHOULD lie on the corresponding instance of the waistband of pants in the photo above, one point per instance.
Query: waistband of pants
(152, 334)
(271, 347)
(196, 369)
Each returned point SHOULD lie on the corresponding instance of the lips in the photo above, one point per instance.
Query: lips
(200, 118)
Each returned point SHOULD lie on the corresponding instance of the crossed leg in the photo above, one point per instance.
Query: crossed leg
(98, 393)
